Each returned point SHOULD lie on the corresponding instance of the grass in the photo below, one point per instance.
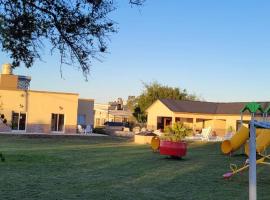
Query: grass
(114, 168)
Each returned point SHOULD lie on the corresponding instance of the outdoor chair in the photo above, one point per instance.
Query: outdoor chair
(206, 133)
(80, 129)
(88, 129)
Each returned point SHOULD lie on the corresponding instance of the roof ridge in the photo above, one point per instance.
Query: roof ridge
(213, 101)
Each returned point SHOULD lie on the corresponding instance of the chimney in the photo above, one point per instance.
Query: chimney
(6, 69)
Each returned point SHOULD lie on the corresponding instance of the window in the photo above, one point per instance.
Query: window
(81, 119)
(18, 121)
(57, 122)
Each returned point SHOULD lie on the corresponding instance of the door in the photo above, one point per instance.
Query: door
(167, 122)
(57, 122)
(18, 122)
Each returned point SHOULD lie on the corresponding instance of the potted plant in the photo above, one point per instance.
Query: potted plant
(171, 143)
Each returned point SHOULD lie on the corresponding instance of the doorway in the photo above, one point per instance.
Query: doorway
(18, 121)
(163, 122)
(57, 122)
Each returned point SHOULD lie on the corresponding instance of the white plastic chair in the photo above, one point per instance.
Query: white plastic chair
(88, 129)
(206, 133)
(80, 129)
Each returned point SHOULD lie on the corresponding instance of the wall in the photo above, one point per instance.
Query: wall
(219, 123)
(12, 100)
(8, 81)
(86, 107)
(101, 114)
(158, 109)
(39, 106)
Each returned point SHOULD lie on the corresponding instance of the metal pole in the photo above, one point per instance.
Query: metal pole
(252, 161)
(241, 119)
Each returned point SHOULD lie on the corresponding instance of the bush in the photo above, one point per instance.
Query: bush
(176, 133)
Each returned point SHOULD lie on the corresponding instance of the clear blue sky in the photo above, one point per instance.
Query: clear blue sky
(219, 50)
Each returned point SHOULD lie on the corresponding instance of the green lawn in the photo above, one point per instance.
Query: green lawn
(112, 168)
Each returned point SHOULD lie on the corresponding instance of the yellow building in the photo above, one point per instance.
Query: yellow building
(197, 115)
(115, 111)
(101, 114)
(40, 111)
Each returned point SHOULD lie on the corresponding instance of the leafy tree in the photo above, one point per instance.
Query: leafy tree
(78, 29)
(154, 91)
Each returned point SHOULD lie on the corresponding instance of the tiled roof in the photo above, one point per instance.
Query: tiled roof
(206, 107)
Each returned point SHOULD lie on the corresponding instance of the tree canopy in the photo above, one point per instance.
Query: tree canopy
(78, 29)
(154, 91)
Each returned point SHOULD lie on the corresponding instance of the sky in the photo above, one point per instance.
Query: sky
(218, 50)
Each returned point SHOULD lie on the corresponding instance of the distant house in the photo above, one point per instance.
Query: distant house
(101, 114)
(115, 111)
(40, 111)
(196, 114)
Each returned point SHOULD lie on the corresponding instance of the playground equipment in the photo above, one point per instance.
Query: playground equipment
(169, 148)
(174, 149)
(262, 141)
(229, 146)
(235, 169)
(155, 143)
(240, 138)
(251, 163)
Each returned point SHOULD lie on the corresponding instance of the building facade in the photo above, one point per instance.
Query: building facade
(115, 111)
(85, 112)
(197, 115)
(39, 111)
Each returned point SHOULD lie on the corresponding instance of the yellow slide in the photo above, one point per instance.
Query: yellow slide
(262, 141)
(239, 139)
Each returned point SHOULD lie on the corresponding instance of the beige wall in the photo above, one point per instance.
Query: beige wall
(12, 100)
(43, 104)
(101, 114)
(219, 123)
(158, 109)
(86, 107)
(39, 107)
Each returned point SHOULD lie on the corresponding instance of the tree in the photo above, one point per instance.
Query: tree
(154, 91)
(78, 29)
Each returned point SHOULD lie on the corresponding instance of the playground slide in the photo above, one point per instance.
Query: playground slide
(155, 143)
(239, 138)
(262, 141)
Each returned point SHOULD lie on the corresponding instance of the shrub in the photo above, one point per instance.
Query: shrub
(175, 133)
